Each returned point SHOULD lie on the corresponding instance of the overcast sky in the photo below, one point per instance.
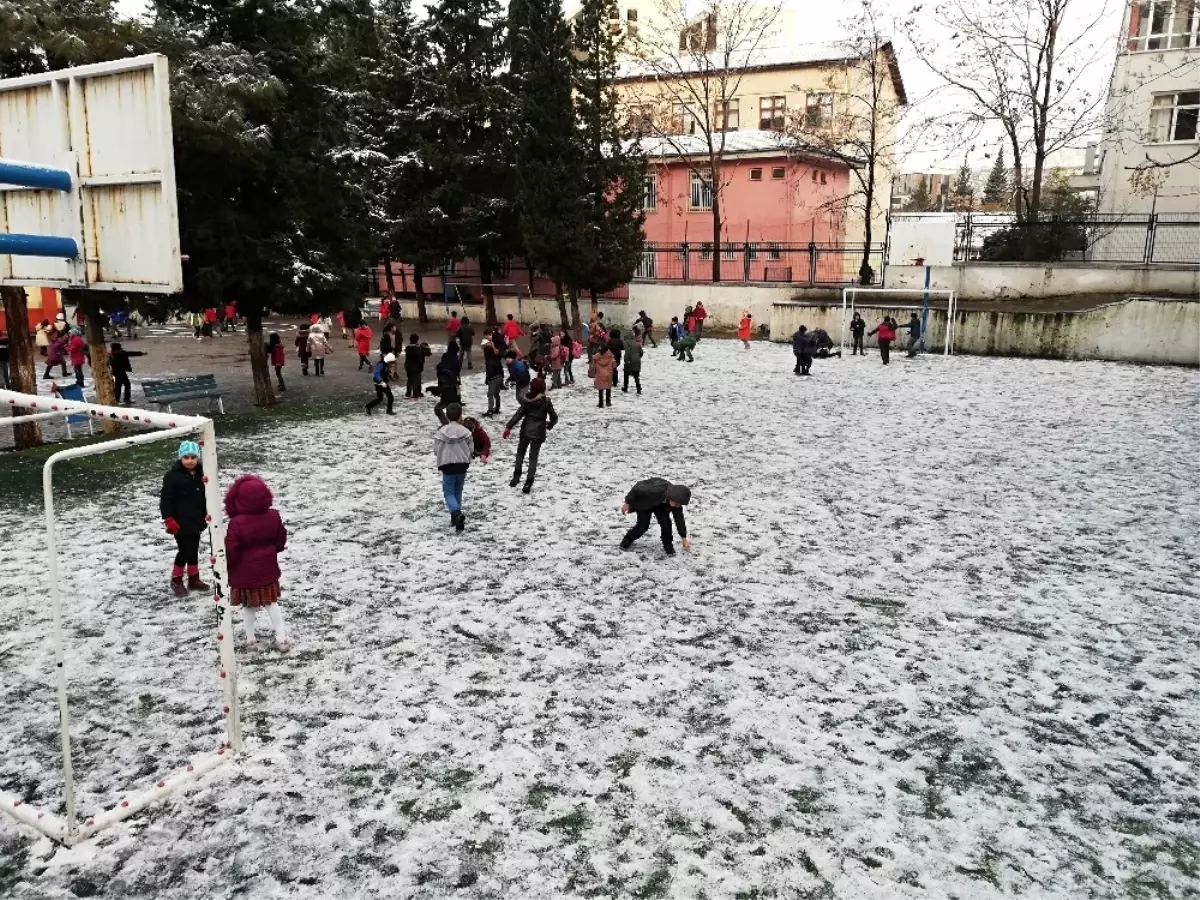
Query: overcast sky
(822, 21)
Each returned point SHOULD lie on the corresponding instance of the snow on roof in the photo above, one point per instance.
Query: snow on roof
(755, 58)
(786, 56)
(736, 142)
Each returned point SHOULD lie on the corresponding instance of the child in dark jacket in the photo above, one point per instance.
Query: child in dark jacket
(659, 499)
(253, 541)
(118, 363)
(414, 364)
(493, 378)
(184, 513)
(536, 416)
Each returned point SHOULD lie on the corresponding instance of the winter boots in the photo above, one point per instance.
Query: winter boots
(178, 588)
(195, 584)
(458, 520)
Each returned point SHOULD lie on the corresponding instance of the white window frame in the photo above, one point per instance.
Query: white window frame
(683, 119)
(1164, 117)
(1177, 21)
(774, 251)
(698, 187)
(650, 191)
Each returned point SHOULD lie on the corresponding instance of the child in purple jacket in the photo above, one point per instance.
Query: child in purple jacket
(253, 541)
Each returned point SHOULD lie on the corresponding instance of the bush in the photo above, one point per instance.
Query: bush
(1049, 241)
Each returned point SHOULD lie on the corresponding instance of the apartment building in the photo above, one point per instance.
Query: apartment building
(1150, 151)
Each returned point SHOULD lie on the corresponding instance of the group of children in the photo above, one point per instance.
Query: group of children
(887, 330)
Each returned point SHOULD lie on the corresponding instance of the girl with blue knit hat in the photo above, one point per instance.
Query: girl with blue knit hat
(184, 514)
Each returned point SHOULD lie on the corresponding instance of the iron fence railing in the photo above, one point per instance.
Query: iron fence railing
(761, 262)
(1163, 238)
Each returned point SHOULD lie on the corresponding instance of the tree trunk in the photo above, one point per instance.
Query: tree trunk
(576, 320)
(562, 305)
(21, 363)
(102, 381)
(595, 300)
(389, 276)
(419, 284)
(529, 270)
(716, 217)
(489, 297)
(264, 391)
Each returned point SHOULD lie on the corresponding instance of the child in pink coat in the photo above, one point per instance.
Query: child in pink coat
(253, 542)
(558, 358)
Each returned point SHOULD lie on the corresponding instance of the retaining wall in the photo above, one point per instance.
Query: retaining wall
(1135, 330)
(998, 281)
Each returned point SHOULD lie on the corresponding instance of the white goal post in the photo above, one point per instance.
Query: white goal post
(850, 296)
(67, 829)
(509, 289)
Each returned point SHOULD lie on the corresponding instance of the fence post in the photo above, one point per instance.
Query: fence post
(745, 262)
(686, 259)
(966, 250)
(812, 263)
(1151, 234)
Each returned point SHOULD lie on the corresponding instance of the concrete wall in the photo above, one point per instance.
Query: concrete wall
(725, 304)
(1140, 330)
(992, 281)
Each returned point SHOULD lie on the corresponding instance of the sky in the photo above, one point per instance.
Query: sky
(928, 96)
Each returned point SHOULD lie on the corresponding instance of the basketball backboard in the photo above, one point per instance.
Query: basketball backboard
(109, 126)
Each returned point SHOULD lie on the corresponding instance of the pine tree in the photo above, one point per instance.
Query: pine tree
(265, 211)
(996, 191)
(920, 200)
(615, 168)
(964, 189)
(465, 139)
(552, 190)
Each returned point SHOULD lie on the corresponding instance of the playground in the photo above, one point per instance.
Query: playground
(936, 637)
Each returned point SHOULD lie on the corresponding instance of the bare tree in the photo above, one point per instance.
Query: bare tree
(860, 129)
(1027, 66)
(690, 69)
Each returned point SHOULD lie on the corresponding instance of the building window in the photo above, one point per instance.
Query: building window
(631, 22)
(774, 250)
(1173, 117)
(640, 119)
(1164, 24)
(682, 119)
(650, 192)
(822, 178)
(725, 115)
(777, 173)
(702, 192)
(771, 113)
(706, 250)
(752, 251)
(818, 110)
(728, 251)
(700, 36)
(756, 174)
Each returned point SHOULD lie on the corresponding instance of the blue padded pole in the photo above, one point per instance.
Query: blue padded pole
(33, 176)
(39, 245)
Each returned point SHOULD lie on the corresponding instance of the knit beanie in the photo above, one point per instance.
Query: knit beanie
(188, 448)
(537, 386)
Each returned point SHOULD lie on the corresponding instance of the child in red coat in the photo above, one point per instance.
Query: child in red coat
(481, 444)
(278, 357)
(362, 342)
(253, 542)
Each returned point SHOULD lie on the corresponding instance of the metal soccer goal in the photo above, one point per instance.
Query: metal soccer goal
(850, 296)
(167, 426)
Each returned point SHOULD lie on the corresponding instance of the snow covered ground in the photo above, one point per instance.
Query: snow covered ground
(938, 637)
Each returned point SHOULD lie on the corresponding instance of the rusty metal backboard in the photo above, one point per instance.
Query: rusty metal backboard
(109, 126)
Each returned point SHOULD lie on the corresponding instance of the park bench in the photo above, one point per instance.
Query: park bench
(166, 391)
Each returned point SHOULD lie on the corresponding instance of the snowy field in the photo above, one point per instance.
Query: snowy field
(939, 636)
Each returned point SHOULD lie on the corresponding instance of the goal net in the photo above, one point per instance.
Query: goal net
(68, 829)
(918, 300)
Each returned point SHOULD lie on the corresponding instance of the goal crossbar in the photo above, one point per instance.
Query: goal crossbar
(67, 829)
(850, 295)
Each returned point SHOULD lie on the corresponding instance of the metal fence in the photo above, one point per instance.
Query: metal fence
(763, 262)
(1162, 238)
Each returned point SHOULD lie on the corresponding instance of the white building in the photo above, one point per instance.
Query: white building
(1151, 145)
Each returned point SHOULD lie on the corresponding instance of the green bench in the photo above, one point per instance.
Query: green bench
(166, 391)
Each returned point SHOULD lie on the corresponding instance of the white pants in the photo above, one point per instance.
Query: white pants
(274, 613)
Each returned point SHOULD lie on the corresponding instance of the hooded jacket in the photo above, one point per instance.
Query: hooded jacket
(414, 358)
(255, 535)
(633, 357)
(536, 415)
(656, 493)
(452, 447)
(617, 346)
(802, 343)
(558, 353)
(606, 369)
(318, 344)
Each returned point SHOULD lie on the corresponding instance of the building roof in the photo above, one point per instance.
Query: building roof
(788, 56)
(737, 143)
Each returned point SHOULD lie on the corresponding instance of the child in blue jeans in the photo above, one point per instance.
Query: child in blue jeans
(452, 446)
